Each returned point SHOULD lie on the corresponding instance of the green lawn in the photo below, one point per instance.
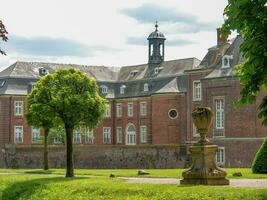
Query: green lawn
(159, 173)
(40, 187)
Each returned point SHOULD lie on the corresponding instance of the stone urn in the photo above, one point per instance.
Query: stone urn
(202, 117)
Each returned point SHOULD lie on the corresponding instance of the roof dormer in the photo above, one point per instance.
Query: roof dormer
(226, 61)
(43, 71)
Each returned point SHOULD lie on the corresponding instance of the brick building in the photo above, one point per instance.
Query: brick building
(148, 121)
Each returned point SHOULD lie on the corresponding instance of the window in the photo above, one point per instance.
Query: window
(161, 49)
(130, 136)
(104, 89)
(107, 111)
(143, 134)
(133, 73)
(195, 133)
(35, 135)
(57, 140)
(220, 156)
(130, 109)
(119, 135)
(226, 61)
(151, 49)
(119, 109)
(196, 90)
(146, 89)
(219, 113)
(106, 135)
(122, 89)
(43, 71)
(156, 70)
(18, 108)
(89, 137)
(143, 108)
(2, 83)
(173, 114)
(18, 134)
(77, 137)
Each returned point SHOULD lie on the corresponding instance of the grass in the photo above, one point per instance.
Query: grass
(157, 173)
(32, 187)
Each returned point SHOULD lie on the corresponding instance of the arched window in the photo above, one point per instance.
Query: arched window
(130, 134)
(146, 89)
(122, 89)
(104, 89)
(151, 49)
(161, 49)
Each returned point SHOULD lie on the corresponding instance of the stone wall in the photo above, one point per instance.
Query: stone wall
(97, 156)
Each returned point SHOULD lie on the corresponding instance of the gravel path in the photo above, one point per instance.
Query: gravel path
(248, 183)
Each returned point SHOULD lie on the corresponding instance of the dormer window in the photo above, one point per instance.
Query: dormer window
(133, 73)
(226, 61)
(156, 70)
(2, 83)
(146, 89)
(104, 89)
(122, 89)
(43, 71)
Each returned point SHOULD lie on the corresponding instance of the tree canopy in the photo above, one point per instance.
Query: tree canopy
(67, 97)
(3, 35)
(249, 19)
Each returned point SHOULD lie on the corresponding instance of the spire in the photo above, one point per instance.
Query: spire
(156, 25)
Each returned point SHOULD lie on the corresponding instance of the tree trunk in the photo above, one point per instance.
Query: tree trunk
(69, 141)
(46, 131)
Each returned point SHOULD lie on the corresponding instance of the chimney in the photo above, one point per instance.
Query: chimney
(220, 39)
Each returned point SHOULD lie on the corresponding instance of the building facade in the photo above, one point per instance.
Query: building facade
(148, 120)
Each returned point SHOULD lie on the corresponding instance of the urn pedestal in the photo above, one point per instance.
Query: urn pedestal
(203, 169)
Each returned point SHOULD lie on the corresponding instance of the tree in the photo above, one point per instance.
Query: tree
(69, 97)
(259, 165)
(249, 19)
(3, 36)
(40, 116)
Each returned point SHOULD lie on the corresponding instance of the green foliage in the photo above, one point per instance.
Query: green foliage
(26, 187)
(259, 165)
(58, 132)
(249, 19)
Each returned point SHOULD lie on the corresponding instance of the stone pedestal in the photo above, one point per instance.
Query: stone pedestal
(204, 169)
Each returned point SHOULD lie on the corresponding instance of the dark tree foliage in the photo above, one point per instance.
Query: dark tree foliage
(249, 19)
(259, 165)
(3, 35)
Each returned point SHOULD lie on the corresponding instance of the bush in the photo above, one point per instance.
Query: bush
(259, 165)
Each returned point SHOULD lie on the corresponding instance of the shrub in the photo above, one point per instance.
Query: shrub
(259, 165)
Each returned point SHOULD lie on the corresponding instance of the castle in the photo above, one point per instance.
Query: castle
(148, 120)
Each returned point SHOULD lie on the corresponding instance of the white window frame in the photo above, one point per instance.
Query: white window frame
(106, 132)
(18, 108)
(104, 89)
(228, 57)
(35, 135)
(130, 136)
(220, 156)
(143, 108)
(118, 135)
(143, 134)
(20, 141)
(108, 110)
(77, 137)
(219, 113)
(130, 109)
(194, 129)
(122, 89)
(89, 137)
(119, 110)
(146, 88)
(196, 90)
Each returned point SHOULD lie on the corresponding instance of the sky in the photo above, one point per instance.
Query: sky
(106, 32)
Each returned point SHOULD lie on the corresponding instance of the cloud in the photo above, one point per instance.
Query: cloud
(149, 13)
(173, 42)
(47, 46)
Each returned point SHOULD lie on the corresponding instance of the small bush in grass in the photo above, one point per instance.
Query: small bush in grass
(259, 165)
